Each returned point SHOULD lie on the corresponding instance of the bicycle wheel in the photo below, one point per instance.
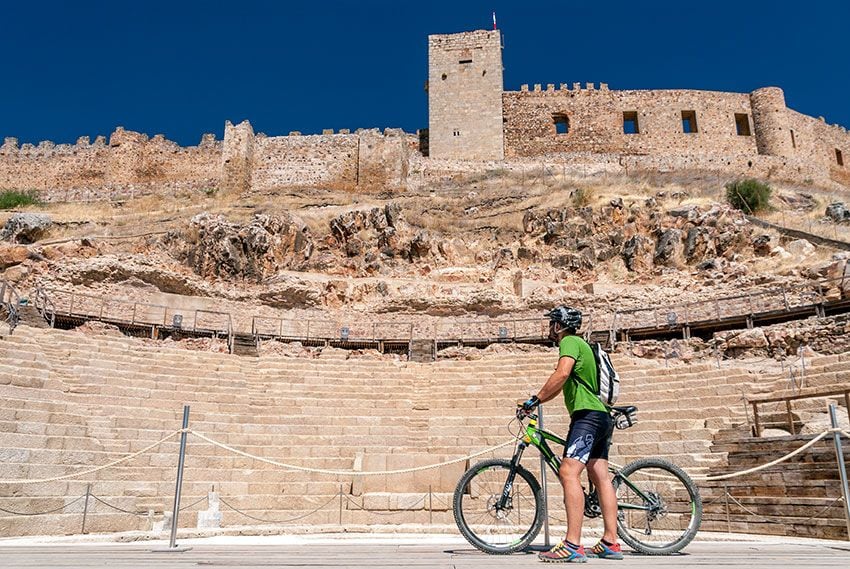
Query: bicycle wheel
(475, 502)
(660, 509)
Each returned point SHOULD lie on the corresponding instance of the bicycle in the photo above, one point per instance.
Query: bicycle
(499, 509)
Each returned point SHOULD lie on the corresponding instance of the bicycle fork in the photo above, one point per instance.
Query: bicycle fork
(505, 499)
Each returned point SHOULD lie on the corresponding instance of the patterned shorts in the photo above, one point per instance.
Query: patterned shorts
(589, 436)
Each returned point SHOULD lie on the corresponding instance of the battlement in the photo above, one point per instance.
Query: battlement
(681, 126)
(134, 162)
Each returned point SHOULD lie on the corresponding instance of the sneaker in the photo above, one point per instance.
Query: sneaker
(563, 553)
(606, 551)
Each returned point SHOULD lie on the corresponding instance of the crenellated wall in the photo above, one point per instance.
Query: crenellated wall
(133, 164)
(742, 134)
(596, 122)
(129, 162)
(365, 159)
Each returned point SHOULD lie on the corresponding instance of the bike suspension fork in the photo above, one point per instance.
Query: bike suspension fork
(509, 483)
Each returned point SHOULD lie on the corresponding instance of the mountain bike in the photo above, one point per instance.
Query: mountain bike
(498, 504)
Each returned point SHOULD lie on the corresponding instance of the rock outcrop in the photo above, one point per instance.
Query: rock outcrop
(645, 237)
(215, 247)
(26, 227)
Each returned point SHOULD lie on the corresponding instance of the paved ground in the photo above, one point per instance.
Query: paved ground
(413, 552)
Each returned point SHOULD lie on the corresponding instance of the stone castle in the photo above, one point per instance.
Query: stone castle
(474, 124)
(472, 117)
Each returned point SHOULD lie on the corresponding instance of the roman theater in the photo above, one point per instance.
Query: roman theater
(347, 320)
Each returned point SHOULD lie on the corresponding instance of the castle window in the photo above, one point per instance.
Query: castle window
(562, 124)
(456, 133)
(742, 124)
(464, 61)
(689, 122)
(630, 123)
(839, 157)
(793, 140)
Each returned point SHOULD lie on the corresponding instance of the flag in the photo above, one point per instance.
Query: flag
(494, 20)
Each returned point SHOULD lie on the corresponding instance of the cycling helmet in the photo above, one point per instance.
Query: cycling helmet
(565, 316)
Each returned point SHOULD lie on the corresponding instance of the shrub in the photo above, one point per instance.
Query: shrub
(581, 197)
(14, 198)
(750, 196)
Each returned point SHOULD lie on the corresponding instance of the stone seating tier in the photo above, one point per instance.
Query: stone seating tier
(69, 400)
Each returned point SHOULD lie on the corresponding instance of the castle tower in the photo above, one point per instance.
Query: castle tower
(237, 154)
(773, 135)
(465, 96)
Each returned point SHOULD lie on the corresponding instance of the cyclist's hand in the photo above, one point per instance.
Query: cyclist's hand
(526, 408)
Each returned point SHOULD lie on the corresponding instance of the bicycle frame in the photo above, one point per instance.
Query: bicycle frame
(537, 437)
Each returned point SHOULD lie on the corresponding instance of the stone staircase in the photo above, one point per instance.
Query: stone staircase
(68, 400)
(29, 316)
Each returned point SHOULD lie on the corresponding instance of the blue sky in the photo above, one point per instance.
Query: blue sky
(182, 68)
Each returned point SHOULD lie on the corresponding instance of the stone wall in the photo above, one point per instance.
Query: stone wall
(596, 122)
(743, 134)
(129, 163)
(133, 164)
(799, 146)
(366, 159)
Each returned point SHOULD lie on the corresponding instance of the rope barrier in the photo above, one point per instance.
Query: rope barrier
(360, 508)
(71, 503)
(195, 503)
(295, 519)
(779, 460)
(96, 469)
(114, 507)
(348, 472)
(772, 521)
(397, 471)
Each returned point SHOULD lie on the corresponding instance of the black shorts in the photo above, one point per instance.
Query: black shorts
(589, 436)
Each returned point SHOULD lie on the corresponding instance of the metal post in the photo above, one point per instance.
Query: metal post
(430, 505)
(86, 508)
(543, 483)
(790, 416)
(726, 502)
(842, 470)
(756, 419)
(172, 545)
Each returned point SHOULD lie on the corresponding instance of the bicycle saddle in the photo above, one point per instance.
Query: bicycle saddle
(627, 410)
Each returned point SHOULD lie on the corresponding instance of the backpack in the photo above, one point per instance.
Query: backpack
(607, 377)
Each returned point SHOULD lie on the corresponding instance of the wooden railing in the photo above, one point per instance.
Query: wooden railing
(756, 401)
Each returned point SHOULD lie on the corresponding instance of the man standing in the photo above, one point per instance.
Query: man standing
(588, 439)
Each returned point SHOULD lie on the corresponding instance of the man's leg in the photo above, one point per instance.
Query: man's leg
(597, 471)
(570, 474)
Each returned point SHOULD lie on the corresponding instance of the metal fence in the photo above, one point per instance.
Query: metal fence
(9, 302)
(269, 327)
(769, 304)
(53, 303)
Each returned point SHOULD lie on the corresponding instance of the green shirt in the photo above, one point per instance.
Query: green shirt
(576, 395)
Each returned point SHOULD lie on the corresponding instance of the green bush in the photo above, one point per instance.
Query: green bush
(750, 196)
(14, 198)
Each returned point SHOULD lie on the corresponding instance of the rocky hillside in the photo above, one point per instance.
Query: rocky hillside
(474, 247)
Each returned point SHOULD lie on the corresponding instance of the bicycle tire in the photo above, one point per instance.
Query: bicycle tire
(467, 529)
(674, 475)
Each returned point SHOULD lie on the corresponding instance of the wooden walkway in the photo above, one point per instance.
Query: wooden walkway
(359, 552)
